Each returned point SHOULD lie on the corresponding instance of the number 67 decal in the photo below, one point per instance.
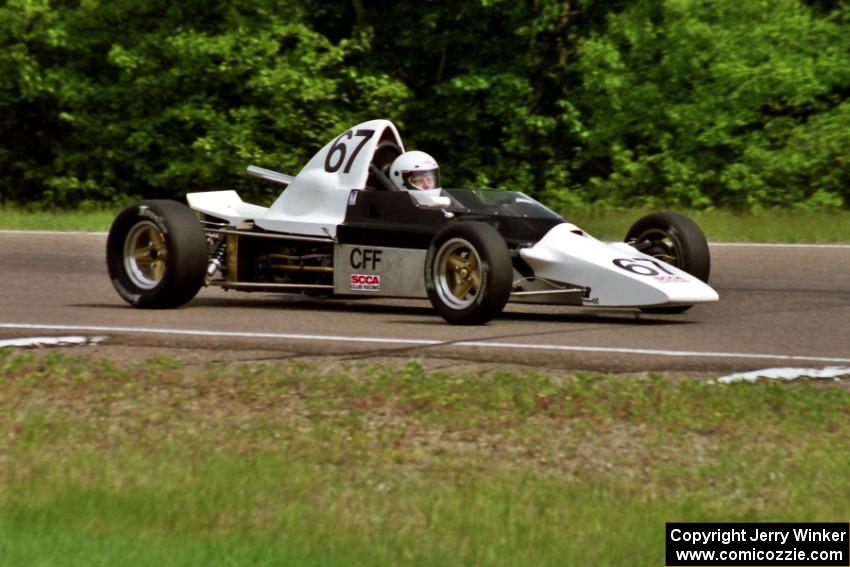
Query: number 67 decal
(336, 155)
(642, 266)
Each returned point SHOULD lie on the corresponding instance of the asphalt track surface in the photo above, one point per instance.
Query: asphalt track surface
(779, 306)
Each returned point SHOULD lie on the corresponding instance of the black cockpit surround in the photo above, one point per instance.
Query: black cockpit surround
(384, 218)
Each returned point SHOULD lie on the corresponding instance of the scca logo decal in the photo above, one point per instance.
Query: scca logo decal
(365, 282)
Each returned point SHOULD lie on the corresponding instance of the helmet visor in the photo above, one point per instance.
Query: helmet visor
(421, 179)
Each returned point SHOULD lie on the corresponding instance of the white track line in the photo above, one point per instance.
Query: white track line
(50, 341)
(776, 245)
(832, 372)
(720, 244)
(426, 342)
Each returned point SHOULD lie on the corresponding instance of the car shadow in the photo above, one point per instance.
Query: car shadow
(430, 317)
(637, 318)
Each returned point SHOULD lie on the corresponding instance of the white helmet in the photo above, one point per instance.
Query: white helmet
(415, 171)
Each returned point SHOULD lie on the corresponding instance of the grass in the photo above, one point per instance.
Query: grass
(103, 463)
(88, 220)
(718, 225)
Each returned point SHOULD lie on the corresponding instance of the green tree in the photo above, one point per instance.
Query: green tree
(160, 98)
(490, 84)
(737, 104)
(29, 117)
(677, 102)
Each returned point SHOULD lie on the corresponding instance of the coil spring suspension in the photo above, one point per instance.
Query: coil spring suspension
(217, 259)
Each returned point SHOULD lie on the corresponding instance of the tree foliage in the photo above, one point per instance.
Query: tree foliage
(159, 98)
(740, 104)
(677, 102)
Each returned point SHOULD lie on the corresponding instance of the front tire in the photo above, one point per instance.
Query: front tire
(675, 239)
(156, 254)
(468, 273)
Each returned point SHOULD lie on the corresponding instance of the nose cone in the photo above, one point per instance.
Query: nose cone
(617, 274)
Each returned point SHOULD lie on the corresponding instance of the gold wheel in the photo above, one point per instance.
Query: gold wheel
(663, 246)
(145, 255)
(457, 273)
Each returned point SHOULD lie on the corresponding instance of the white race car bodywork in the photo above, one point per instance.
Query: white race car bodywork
(226, 205)
(314, 203)
(616, 274)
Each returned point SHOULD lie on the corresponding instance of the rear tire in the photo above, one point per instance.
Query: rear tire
(675, 239)
(156, 254)
(468, 273)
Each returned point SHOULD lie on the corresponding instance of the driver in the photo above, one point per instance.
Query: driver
(415, 171)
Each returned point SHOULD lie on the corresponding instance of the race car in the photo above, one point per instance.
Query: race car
(343, 228)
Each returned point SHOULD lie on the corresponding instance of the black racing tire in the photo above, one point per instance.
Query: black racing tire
(468, 273)
(675, 239)
(156, 253)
